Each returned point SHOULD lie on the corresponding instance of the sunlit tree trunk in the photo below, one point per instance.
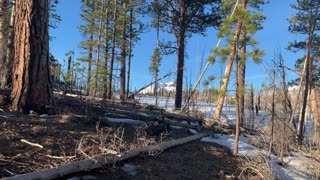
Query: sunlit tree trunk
(314, 105)
(31, 89)
(242, 69)
(180, 65)
(223, 88)
(237, 134)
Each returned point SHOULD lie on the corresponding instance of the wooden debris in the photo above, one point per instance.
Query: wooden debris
(60, 157)
(103, 160)
(32, 144)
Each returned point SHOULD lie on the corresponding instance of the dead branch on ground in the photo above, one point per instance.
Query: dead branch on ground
(103, 160)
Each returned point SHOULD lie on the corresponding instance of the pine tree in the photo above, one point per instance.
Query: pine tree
(245, 23)
(123, 50)
(31, 88)
(97, 70)
(135, 28)
(113, 46)
(126, 29)
(154, 69)
(88, 30)
(305, 23)
(182, 19)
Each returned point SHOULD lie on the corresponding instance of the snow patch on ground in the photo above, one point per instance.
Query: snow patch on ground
(193, 131)
(127, 121)
(129, 169)
(246, 149)
(296, 166)
(176, 127)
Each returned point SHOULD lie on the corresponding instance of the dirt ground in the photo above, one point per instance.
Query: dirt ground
(66, 139)
(196, 160)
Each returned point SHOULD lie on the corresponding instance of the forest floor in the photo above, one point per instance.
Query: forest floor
(80, 131)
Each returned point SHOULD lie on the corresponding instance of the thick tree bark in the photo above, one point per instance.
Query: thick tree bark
(227, 73)
(311, 29)
(31, 89)
(180, 65)
(114, 31)
(315, 112)
(299, 135)
(5, 65)
(314, 105)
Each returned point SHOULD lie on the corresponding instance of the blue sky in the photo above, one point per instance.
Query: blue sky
(274, 37)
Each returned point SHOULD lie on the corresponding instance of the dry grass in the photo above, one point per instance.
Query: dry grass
(109, 141)
(258, 168)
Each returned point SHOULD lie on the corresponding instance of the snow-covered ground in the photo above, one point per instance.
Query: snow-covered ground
(296, 165)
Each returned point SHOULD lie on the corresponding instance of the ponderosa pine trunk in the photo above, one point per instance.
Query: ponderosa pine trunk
(311, 29)
(300, 127)
(223, 88)
(5, 65)
(113, 39)
(31, 88)
(180, 65)
(314, 105)
(242, 69)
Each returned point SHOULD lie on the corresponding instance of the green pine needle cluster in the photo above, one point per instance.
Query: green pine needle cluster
(251, 22)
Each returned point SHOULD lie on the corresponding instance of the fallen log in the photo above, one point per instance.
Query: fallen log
(233, 128)
(100, 161)
(130, 110)
(116, 112)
